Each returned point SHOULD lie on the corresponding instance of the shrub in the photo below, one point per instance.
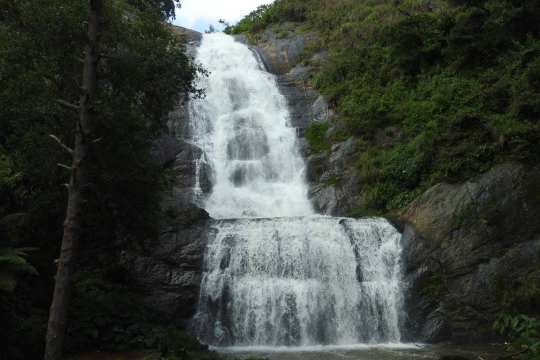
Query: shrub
(316, 137)
(523, 332)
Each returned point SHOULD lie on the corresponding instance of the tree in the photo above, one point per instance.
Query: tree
(79, 179)
(143, 74)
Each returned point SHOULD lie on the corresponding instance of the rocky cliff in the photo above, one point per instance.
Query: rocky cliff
(472, 250)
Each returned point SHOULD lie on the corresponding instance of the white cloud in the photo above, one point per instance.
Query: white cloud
(199, 14)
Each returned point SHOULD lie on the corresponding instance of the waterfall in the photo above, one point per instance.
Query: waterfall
(242, 126)
(277, 274)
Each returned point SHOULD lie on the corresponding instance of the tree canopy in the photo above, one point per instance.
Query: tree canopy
(143, 73)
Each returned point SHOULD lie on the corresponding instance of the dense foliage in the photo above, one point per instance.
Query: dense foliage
(143, 70)
(107, 315)
(524, 335)
(432, 90)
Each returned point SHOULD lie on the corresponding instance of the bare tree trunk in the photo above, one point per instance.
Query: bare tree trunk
(78, 181)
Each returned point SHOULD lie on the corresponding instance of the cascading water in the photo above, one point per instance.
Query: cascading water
(241, 125)
(276, 274)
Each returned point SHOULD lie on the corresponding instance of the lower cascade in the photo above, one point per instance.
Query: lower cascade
(277, 274)
(301, 281)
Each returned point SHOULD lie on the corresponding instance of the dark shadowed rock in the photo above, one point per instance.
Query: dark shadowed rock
(335, 184)
(169, 268)
(165, 149)
(468, 246)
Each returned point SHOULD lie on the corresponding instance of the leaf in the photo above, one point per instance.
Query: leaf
(13, 260)
(7, 282)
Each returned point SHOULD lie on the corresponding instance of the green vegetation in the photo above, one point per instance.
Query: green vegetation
(459, 80)
(12, 264)
(524, 335)
(315, 135)
(142, 73)
(266, 15)
(107, 316)
(436, 287)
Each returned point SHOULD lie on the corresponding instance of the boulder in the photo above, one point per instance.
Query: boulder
(470, 250)
(165, 149)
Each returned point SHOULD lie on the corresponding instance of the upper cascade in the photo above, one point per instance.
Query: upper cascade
(242, 125)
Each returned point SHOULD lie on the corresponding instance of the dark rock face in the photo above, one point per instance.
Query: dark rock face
(165, 150)
(468, 248)
(170, 267)
(334, 183)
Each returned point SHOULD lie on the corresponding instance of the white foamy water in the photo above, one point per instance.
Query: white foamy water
(243, 126)
(301, 281)
(316, 348)
(275, 273)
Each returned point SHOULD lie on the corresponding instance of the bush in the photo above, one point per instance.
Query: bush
(316, 137)
(108, 316)
(264, 15)
(523, 332)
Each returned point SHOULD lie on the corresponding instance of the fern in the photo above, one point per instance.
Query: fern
(523, 333)
(13, 263)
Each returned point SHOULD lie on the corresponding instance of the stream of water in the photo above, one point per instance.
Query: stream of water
(277, 275)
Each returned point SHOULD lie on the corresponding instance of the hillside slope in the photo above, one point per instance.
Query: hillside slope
(429, 114)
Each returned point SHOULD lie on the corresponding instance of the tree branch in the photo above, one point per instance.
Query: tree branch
(64, 166)
(62, 145)
(67, 104)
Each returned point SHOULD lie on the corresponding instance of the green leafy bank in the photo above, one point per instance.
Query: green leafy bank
(431, 90)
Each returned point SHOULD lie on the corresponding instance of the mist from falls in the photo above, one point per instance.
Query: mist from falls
(277, 274)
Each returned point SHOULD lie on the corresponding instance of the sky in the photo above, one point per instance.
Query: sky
(200, 14)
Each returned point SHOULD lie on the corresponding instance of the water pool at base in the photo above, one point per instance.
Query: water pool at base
(367, 352)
